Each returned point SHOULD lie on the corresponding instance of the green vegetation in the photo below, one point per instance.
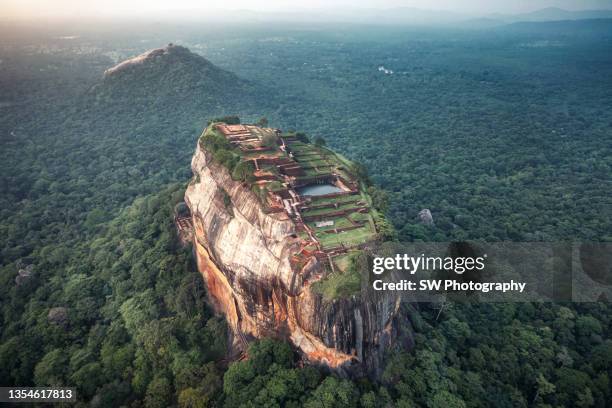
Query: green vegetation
(275, 186)
(386, 230)
(244, 171)
(270, 378)
(348, 238)
(312, 155)
(302, 137)
(323, 211)
(261, 192)
(134, 323)
(346, 280)
(375, 225)
(222, 150)
(269, 140)
(230, 120)
(481, 355)
(318, 200)
(503, 134)
(263, 122)
(227, 201)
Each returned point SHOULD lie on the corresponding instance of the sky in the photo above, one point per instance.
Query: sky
(129, 8)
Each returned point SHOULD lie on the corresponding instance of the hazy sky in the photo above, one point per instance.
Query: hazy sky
(83, 8)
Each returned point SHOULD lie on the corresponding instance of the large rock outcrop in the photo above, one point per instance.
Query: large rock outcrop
(171, 77)
(243, 254)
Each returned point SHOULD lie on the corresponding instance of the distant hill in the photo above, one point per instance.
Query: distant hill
(544, 15)
(556, 14)
(547, 15)
(574, 29)
(411, 16)
(405, 15)
(149, 110)
(173, 75)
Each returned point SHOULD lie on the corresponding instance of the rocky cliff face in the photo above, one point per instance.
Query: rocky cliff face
(243, 254)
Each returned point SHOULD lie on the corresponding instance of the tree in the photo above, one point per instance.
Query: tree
(159, 393)
(544, 388)
(444, 399)
(269, 140)
(585, 399)
(51, 369)
(302, 137)
(263, 121)
(384, 227)
(380, 199)
(226, 158)
(230, 120)
(334, 393)
(361, 172)
(88, 378)
(320, 141)
(193, 398)
(138, 310)
(268, 377)
(95, 217)
(244, 171)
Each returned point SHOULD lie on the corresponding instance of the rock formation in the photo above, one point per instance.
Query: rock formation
(425, 217)
(58, 316)
(24, 273)
(244, 252)
(173, 76)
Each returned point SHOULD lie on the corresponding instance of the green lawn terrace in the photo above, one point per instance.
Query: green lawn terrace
(309, 184)
(339, 226)
(344, 279)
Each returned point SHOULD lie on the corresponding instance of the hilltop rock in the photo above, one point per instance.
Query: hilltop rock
(170, 53)
(24, 273)
(143, 59)
(244, 252)
(58, 316)
(172, 77)
(425, 217)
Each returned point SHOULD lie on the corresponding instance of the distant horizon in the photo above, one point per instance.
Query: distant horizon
(21, 10)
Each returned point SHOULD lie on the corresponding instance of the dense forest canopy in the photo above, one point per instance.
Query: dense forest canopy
(504, 134)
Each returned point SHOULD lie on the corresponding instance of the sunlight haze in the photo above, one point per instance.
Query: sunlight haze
(145, 8)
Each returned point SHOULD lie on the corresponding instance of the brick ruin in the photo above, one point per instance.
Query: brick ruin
(283, 165)
(183, 224)
(281, 170)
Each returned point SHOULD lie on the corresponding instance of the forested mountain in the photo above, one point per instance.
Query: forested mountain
(559, 14)
(127, 134)
(172, 75)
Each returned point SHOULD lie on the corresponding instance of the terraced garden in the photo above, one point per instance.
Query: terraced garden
(310, 184)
